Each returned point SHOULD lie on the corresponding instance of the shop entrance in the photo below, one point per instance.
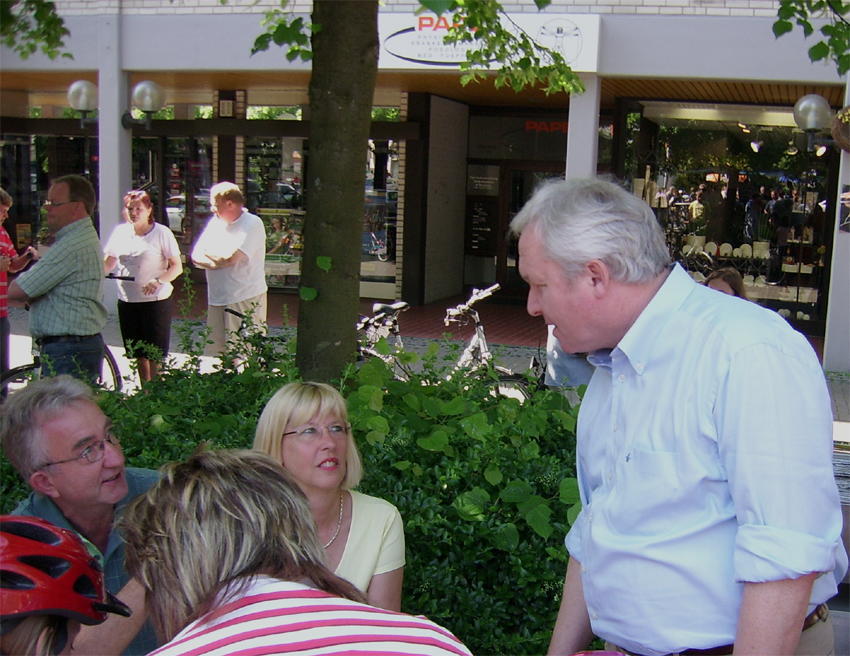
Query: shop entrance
(495, 194)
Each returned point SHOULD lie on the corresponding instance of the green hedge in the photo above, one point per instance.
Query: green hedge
(485, 484)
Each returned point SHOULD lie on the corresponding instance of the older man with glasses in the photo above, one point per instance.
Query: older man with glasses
(65, 288)
(62, 445)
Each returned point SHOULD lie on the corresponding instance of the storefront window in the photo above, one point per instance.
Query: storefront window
(177, 173)
(273, 192)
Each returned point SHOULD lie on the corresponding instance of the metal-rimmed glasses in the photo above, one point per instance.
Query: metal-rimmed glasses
(312, 433)
(50, 203)
(92, 453)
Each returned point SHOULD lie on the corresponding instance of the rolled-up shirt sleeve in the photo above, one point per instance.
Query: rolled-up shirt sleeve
(779, 464)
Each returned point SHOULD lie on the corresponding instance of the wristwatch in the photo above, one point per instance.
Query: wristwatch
(158, 281)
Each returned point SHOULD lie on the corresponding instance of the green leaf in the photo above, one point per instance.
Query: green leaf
(402, 464)
(308, 293)
(493, 474)
(437, 441)
(378, 423)
(412, 401)
(476, 426)
(439, 7)
(781, 27)
(372, 397)
(376, 437)
(568, 491)
(573, 512)
(818, 51)
(567, 420)
(456, 406)
(408, 357)
(538, 519)
(470, 505)
(506, 537)
(323, 262)
(516, 492)
(530, 504)
(531, 450)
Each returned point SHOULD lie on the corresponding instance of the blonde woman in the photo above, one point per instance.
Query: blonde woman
(227, 552)
(304, 426)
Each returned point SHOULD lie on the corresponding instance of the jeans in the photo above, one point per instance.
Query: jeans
(82, 360)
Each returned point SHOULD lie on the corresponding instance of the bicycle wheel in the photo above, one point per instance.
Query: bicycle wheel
(110, 374)
(19, 377)
(512, 386)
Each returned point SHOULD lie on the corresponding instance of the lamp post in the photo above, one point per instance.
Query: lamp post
(812, 114)
(82, 96)
(149, 97)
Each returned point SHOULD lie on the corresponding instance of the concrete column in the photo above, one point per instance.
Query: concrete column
(114, 141)
(583, 130)
(836, 349)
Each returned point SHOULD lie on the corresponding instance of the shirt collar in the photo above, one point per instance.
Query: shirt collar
(73, 226)
(637, 344)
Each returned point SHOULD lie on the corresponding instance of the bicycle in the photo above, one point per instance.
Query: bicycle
(381, 325)
(18, 377)
(477, 357)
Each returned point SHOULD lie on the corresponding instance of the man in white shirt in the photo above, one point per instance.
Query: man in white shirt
(710, 517)
(232, 250)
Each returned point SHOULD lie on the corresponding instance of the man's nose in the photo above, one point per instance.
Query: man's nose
(533, 303)
(113, 456)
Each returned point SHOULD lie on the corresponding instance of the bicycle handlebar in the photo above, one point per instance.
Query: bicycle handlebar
(452, 314)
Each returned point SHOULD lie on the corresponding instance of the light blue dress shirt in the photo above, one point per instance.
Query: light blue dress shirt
(704, 461)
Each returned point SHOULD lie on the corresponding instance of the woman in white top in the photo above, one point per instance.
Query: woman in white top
(148, 252)
(305, 427)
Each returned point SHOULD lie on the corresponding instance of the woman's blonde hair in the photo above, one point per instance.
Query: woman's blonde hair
(36, 635)
(296, 404)
(197, 538)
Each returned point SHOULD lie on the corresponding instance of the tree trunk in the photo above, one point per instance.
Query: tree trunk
(342, 86)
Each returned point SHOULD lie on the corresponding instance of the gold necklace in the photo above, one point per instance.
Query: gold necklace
(338, 524)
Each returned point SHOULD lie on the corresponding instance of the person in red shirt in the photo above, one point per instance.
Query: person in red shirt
(10, 262)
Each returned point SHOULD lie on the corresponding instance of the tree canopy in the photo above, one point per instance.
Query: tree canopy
(29, 25)
(831, 19)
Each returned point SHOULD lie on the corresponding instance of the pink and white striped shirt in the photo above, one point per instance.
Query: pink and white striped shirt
(283, 617)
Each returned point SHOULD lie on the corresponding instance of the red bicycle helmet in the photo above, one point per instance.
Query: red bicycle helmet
(46, 570)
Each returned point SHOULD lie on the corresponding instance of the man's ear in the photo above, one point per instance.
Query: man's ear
(43, 483)
(599, 277)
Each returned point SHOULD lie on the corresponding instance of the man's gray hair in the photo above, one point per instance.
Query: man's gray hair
(26, 410)
(582, 220)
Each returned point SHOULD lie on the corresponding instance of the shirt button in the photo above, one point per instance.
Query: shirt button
(610, 476)
(622, 377)
(590, 518)
(639, 366)
(583, 569)
(596, 616)
(614, 428)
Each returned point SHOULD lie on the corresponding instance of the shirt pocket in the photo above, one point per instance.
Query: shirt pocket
(647, 493)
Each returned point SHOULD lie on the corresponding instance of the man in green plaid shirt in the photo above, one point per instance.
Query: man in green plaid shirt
(65, 288)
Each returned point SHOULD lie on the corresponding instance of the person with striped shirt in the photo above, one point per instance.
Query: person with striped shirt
(228, 554)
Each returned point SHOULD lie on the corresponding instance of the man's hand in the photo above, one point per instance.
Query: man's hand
(209, 261)
(112, 637)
